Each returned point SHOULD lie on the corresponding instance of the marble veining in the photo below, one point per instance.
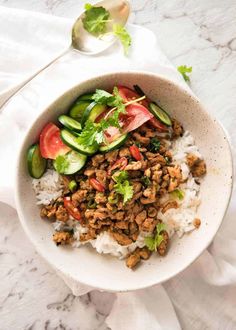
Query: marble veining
(201, 34)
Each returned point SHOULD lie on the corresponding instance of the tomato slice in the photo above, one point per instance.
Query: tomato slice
(72, 210)
(120, 164)
(128, 94)
(157, 124)
(50, 142)
(97, 185)
(136, 115)
(135, 152)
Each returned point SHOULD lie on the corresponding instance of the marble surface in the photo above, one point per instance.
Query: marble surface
(201, 34)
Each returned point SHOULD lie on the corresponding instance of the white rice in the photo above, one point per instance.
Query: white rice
(179, 220)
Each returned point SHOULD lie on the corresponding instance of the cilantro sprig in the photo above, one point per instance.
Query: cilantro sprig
(95, 22)
(95, 19)
(184, 70)
(154, 242)
(122, 186)
(61, 164)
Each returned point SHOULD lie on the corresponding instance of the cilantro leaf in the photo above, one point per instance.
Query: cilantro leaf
(123, 186)
(125, 189)
(183, 69)
(61, 164)
(154, 145)
(122, 34)
(101, 96)
(120, 176)
(90, 135)
(178, 193)
(152, 243)
(95, 19)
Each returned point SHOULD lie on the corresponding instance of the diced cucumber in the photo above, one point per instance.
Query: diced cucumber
(36, 163)
(160, 114)
(92, 112)
(114, 145)
(78, 109)
(74, 162)
(72, 141)
(70, 123)
(85, 97)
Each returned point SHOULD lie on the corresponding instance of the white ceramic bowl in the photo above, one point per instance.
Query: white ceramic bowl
(104, 272)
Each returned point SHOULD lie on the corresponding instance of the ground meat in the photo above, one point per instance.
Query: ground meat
(169, 205)
(132, 260)
(97, 159)
(121, 225)
(101, 176)
(144, 253)
(62, 214)
(89, 172)
(199, 169)
(177, 128)
(48, 211)
(100, 198)
(141, 217)
(124, 152)
(111, 156)
(79, 196)
(152, 212)
(62, 238)
(122, 239)
(197, 165)
(192, 160)
(162, 248)
(197, 223)
(149, 195)
(149, 225)
(136, 165)
(142, 139)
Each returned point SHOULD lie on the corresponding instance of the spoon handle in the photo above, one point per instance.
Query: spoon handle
(17, 89)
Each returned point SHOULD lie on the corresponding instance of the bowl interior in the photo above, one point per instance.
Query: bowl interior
(106, 272)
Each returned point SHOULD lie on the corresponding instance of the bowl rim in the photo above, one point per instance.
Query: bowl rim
(180, 89)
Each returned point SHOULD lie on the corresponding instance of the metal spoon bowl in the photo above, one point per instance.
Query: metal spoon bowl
(88, 44)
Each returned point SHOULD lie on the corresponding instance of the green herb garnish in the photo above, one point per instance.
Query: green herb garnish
(178, 193)
(123, 187)
(154, 145)
(121, 33)
(183, 69)
(152, 243)
(95, 19)
(61, 164)
(95, 22)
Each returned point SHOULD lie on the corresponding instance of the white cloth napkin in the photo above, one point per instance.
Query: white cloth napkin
(204, 294)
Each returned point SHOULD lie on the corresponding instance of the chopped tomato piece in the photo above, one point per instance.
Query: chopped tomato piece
(120, 164)
(135, 152)
(157, 124)
(128, 94)
(136, 115)
(97, 185)
(72, 210)
(50, 142)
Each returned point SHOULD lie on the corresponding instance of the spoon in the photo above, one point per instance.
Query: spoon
(84, 42)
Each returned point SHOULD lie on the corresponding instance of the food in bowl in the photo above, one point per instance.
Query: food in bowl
(118, 174)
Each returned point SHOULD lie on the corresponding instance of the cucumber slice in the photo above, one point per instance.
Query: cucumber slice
(78, 109)
(114, 145)
(70, 123)
(72, 141)
(160, 114)
(36, 163)
(74, 160)
(85, 97)
(92, 112)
